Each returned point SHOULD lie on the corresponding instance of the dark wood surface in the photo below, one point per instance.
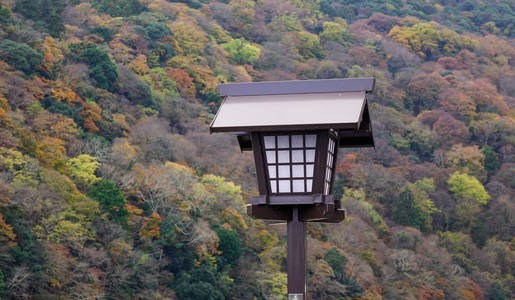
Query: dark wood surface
(296, 260)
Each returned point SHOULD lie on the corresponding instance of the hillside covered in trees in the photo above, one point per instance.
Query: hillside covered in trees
(111, 186)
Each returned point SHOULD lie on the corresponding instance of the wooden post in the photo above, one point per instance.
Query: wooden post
(296, 257)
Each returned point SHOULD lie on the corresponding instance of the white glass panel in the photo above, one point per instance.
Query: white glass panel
(298, 171)
(298, 186)
(284, 186)
(271, 171)
(309, 170)
(326, 189)
(297, 156)
(284, 156)
(331, 146)
(283, 141)
(311, 140)
(269, 142)
(309, 185)
(310, 155)
(296, 141)
(270, 157)
(330, 160)
(273, 186)
(284, 171)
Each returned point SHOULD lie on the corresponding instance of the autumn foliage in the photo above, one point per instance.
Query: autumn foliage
(112, 187)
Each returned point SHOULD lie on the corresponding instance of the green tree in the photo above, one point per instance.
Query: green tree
(336, 32)
(102, 69)
(491, 161)
(407, 212)
(20, 56)
(119, 8)
(241, 51)
(338, 262)
(463, 186)
(497, 292)
(5, 14)
(309, 45)
(47, 13)
(111, 199)
(202, 282)
(103, 32)
(230, 245)
(83, 168)
(2, 283)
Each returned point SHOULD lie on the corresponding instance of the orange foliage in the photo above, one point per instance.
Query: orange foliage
(5, 119)
(183, 80)
(91, 113)
(346, 163)
(6, 233)
(472, 292)
(63, 93)
(51, 53)
(133, 210)
(93, 38)
(427, 294)
(150, 228)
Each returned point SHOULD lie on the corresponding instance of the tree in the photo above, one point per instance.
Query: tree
(459, 104)
(102, 69)
(111, 199)
(338, 262)
(407, 212)
(230, 245)
(497, 292)
(202, 282)
(119, 8)
(486, 97)
(5, 14)
(20, 56)
(308, 45)
(336, 32)
(425, 89)
(466, 159)
(2, 284)
(83, 168)
(427, 41)
(45, 12)
(491, 161)
(105, 33)
(190, 38)
(242, 52)
(463, 186)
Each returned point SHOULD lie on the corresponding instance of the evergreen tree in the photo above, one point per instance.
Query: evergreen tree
(20, 56)
(491, 161)
(407, 213)
(497, 292)
(111, 199)
(230, 245)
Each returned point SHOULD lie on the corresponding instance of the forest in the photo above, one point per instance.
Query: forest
(111, 186)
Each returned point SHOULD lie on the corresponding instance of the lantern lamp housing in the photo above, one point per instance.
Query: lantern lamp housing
(294, 129)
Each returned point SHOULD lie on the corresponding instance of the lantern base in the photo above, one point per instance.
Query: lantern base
(329, 213)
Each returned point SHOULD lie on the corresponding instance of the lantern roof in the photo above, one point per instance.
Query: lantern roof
(323, 104)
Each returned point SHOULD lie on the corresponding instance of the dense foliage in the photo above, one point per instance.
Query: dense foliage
(112, 187)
